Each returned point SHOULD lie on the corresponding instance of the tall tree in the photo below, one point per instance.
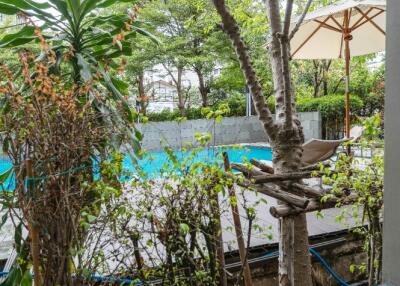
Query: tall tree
(143, 58)
(189, 41)
(285, 133)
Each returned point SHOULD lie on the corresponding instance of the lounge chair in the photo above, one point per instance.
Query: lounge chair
(355, 133)
(317, 150)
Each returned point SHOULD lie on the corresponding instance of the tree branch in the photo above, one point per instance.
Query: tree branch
(170, 74)
(288, 16)
(231, 28)
(301, 19)
(280, 55)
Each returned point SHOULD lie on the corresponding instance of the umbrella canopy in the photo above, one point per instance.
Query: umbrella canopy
(323, 32)
(342, 30)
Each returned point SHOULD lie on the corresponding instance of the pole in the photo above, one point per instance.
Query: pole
(238, 228)
(33, 232)
(248, 102)
(347, 38)
(220, 246)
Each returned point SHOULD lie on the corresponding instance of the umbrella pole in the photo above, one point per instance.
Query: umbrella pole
(347, 37)
(347, 95)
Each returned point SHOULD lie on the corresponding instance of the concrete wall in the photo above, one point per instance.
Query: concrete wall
(230, 130)
(391, 224)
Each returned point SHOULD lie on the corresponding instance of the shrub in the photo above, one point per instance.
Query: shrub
(332, 109)
(330, 105)
(236, 103)
(373, 103)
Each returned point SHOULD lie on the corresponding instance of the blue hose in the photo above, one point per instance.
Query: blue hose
(320, 259)
(328, 268)
(121, 281)
(270, 254)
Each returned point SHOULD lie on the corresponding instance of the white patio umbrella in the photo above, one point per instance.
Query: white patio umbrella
(342, 30)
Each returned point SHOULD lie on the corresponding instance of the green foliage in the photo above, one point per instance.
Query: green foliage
(329, 106)
(74, 80)
(364, 178)
(373, 127)
(83, 44)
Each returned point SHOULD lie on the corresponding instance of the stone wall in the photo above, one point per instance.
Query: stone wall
(230, 130)
(339, 253)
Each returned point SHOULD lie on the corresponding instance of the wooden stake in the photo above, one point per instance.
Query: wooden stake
(277, 193)
(282, 177)
(293, 188)
(33, 233)
(238, 228)
(314, 205)
(220, 246)
(262, 166)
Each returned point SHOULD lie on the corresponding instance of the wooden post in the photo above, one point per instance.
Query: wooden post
(347, 37)
(238, 229)
(220, 246)
(33, 232)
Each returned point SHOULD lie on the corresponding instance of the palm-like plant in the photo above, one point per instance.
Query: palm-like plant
(86, 44)
(81, 46)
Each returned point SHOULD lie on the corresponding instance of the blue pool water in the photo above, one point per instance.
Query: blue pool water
(153, 162)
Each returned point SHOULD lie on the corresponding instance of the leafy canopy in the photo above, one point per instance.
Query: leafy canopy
(85, 45)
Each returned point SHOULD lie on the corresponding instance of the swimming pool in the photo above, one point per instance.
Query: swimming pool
(154, 161)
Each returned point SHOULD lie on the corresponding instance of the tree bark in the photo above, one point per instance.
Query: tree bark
(142, 94)
(231, 28)
(203, 88)
(326, 66)
(294, 259)
(178, 85)
(286, 133)
(317, 81)
(179, 91)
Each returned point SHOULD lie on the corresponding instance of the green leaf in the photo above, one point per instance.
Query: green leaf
(113, 52)
(108, 3)
(146, 33)
(26, 279)
(3, 219)
(5, 175)
(6, 145)
(63, 9)
(139, 135)
(184, 228)
(18, 237)
(121, 85)
(84, 66)
(116, 94)
(88, 6)
(91, 218)
(8, 9)
(27, 4)
(117, 21)
(23, 36)
(75, 7)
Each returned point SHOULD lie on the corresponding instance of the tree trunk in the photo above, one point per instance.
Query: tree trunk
(317, 80)
(142, 94)
(179, 91)
(325, 86)
(326, 66)
(286, 134)
(294, 259)
(204, 90)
